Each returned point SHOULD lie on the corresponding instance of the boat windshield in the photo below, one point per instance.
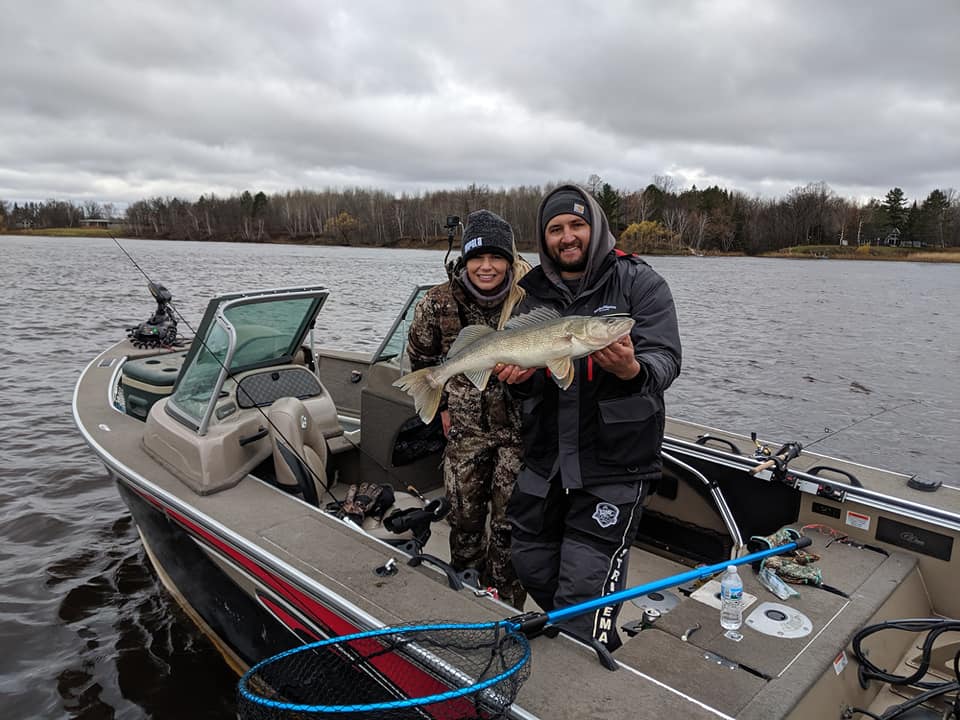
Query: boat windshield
(238, 333)
(394, 345)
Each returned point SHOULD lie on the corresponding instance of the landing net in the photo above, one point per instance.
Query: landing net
(438, 670)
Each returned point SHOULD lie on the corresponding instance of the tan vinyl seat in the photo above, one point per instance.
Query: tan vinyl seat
(300, 460)
(299, 450)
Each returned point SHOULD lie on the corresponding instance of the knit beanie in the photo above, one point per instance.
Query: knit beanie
(487, 232)
(562, 202)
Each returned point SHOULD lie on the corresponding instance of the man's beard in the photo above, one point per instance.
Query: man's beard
(571, 266)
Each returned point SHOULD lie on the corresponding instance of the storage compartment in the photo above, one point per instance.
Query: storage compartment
(146, 380)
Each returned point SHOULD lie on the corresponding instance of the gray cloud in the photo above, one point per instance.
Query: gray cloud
(116, 101)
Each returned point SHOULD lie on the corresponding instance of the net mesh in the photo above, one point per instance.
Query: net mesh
(437, 670)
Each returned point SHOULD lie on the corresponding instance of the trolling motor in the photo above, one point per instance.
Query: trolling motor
(161, 329)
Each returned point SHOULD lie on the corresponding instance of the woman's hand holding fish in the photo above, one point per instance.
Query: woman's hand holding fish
(618, 358)
(512, 374)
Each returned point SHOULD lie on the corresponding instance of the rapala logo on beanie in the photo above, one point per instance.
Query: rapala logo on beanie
(487, 233)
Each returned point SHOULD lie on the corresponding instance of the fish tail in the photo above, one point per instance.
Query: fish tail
(426, 391)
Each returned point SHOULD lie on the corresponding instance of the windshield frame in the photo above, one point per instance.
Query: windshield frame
(216, 320)
(394, 344)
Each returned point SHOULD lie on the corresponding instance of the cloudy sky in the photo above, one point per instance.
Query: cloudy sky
(120, 101)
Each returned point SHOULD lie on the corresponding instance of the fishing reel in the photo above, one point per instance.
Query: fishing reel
(777, 462)
(762, 451)
(161, 329)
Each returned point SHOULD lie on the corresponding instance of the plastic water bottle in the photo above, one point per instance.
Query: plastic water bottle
(731, 599)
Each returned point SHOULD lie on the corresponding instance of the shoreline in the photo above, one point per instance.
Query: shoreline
(808, 252)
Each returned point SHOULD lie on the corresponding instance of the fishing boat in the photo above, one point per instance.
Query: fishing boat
(235, 451)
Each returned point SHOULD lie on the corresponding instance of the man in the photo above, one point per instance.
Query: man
(592, 451)
(482, 455)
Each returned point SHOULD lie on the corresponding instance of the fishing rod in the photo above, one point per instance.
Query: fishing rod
(782, 457)
(289, 445)
(830, 433)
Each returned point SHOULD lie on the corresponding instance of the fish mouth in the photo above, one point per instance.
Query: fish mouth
(611, 328)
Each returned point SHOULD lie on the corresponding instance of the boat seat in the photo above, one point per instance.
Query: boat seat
(299, 450)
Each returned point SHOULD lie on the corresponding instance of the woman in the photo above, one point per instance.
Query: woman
(483, 451)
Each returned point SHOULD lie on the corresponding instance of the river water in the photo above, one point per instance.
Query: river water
(863, 352)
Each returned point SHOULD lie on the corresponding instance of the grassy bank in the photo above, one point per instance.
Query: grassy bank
(64, 232)
(868, 252)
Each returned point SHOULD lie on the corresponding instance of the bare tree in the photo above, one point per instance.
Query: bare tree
(677, 220)
(92, 210)
(665, 184)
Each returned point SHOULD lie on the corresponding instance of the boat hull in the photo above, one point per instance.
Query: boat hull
(260, 570)
(183, 552)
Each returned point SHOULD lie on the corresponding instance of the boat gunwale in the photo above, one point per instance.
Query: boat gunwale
(918, 511)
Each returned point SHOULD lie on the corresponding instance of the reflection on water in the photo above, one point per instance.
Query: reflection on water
(793, 350)
(157, 661)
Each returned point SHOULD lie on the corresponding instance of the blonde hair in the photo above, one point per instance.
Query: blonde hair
(520, 268)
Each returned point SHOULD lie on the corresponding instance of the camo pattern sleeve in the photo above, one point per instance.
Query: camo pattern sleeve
(436, 323)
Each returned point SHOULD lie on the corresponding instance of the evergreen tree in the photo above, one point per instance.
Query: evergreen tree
(932, 215)
(911, 230)
(895, 207)
(259, 204)
(609, 201)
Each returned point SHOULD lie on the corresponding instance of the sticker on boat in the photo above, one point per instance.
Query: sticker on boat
(840, 662)
(858, 520)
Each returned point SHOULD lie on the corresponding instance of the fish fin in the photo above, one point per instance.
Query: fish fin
(479, 378)
(469, 335)
(426, 393)
(536, 316)
(561, 370)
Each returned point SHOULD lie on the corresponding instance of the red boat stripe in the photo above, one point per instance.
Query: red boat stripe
(411, 680)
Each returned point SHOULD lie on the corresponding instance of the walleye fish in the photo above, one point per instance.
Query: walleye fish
(541, 338)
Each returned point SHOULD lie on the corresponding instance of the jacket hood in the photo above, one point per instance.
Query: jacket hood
(602, 242)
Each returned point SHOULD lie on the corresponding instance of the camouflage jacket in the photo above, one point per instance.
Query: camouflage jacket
(437, 321)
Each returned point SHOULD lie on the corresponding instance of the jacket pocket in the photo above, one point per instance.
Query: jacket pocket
(526, 508)
(631, 433)
(539, 436)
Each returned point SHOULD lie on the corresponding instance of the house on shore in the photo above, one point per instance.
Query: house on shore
(102, 223)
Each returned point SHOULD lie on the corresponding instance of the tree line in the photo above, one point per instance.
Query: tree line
(657, 218)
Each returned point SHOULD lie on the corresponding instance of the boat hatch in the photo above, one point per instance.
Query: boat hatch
(239, 332)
